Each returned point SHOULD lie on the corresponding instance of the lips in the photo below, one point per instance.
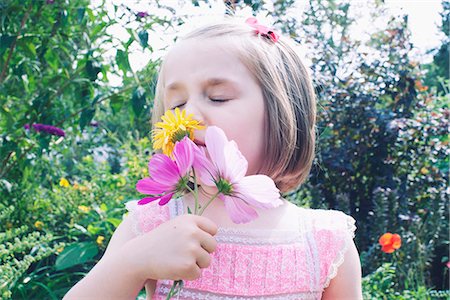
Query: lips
(199, 143)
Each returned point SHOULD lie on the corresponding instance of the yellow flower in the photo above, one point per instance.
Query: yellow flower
(84, 208)
(83, 188)
(59, 250)
(39, 225)
(424, 171)
(173, 129)
(100, 240)
(64, 182)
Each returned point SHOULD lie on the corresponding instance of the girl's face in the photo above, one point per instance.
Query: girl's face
(205, 79)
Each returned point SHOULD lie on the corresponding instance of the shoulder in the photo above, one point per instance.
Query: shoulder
(331, 233)
(327, 221)
(346, 282)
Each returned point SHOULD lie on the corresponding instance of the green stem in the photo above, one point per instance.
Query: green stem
(196, 191)
(209, 202)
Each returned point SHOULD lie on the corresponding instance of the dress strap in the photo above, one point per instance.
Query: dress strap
(176, 207)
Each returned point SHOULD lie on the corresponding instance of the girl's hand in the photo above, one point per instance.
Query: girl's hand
(175, 250)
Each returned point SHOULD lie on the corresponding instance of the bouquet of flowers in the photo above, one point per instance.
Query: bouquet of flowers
(219, 164)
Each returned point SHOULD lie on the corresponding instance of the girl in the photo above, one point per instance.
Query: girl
(247, 80)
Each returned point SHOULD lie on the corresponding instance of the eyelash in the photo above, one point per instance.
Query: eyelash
(218, 100)
(213, 100)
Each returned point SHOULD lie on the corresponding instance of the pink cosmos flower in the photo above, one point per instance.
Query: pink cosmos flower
(167, 176)
(226, 170)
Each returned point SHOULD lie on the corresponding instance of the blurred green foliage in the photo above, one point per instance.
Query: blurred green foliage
(382, 147)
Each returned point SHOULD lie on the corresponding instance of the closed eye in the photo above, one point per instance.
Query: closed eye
(178, 106)
(218, 100)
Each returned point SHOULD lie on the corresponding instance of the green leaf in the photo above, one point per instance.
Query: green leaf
(86, 117)
(138, 101)
(92, 69)
(103, 207)
(116, 103)
(76, 254)
(189, 210)
(80, 14)
(143, 38)
(114, 221)
(122, 61)
(5, 42)
(52, 59)
(93, 229)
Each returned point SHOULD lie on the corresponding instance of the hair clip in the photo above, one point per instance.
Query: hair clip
(262, 30)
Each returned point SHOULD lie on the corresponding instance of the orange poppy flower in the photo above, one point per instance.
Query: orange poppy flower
(390, 242)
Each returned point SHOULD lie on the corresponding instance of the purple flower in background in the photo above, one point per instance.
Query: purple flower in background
(50, 1)
(46, 128)
(142, 14)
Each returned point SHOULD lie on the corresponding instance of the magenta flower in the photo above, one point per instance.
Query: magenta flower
(226, 171)
(168, 176)
(142, 14)
(46, 128)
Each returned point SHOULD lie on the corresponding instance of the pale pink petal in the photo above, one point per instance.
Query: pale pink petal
(238, 210)
(163, 170)
(259, 191)
(204, 169)
(236, 163)
(184, 155)
(215, 141)
(151, 187)
(166, 198)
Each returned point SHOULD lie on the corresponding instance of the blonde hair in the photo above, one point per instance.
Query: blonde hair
(288, 96)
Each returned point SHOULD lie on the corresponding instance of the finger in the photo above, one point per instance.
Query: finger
(207, 225)
(203, 259)
(194, 274)
(208, 242)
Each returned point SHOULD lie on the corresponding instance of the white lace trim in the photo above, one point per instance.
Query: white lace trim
(339, 260)
(244, 236)
(164, 289)
(131, 206)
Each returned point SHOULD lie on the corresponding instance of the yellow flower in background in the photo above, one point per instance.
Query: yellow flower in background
(424, 171)
(39, 225)
(64, 182)
(173, 128)
(100, 240)
(59, 250)
(9, 225)
(84, 208)
(122, 181)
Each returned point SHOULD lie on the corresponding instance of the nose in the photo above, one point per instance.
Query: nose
(197, 113)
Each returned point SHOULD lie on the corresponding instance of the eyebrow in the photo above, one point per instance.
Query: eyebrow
(211, 81)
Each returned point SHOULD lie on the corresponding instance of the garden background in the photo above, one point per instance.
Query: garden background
(383, 146)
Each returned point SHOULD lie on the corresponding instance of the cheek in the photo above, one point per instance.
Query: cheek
(251, 145)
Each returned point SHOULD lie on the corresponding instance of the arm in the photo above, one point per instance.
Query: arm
(112, 277)
(347, 283)
(176, 249)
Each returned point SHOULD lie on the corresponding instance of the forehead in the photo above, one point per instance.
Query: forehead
(200, 60)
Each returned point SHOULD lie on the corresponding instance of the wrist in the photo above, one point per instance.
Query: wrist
(137, 263)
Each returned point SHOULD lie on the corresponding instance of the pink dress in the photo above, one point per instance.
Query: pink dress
(261, 264)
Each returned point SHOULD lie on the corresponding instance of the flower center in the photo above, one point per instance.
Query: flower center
(224, 187)
(182, 183)
(179, 135)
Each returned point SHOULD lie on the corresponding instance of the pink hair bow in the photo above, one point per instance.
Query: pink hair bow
(262, 30)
